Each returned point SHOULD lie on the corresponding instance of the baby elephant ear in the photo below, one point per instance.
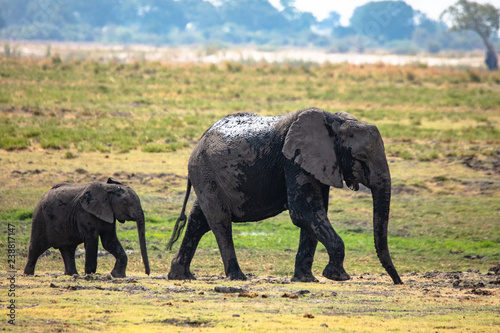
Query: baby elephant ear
(95, 200)
(308, 143)
(345, 116)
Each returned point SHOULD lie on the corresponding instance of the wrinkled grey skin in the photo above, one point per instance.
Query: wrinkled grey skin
(248, 168)
(71, 214)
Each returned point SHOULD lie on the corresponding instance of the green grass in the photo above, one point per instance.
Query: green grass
(157, 102)
(81, 121)
(426, 115)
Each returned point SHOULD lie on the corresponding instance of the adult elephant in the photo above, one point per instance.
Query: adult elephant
(247, 168)
(71, 214)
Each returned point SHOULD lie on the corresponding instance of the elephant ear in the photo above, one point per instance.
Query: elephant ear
(95, 200)
(308, 143)
(345, 116)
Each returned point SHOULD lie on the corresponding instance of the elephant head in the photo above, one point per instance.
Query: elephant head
(336, 148)
(114, 200)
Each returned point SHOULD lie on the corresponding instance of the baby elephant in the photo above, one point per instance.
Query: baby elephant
(71, 214)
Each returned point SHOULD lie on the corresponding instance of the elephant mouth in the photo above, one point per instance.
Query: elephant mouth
(352, 185)
(121, 221)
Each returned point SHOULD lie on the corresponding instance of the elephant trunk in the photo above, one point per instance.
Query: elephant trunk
(381, 194)
(141, 229)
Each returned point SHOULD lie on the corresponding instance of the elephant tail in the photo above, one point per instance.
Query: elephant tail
(181, 221)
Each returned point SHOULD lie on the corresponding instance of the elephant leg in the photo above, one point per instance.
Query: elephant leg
(91, 245)
(219, 221)
(308, 204)
(38, 242)
(197, 226)
(68, 255)
(305, 257)
(111, 244)
(334, 245)
(224, 237)
(321, 228)
(34, 252)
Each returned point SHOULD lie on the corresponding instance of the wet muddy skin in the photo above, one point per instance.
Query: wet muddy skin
(248, 167)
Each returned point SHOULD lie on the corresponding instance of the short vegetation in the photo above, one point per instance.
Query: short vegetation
(85, 120)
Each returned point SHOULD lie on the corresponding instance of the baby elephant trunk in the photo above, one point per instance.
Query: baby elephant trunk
(141, 229)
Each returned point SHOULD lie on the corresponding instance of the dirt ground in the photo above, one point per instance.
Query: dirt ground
(432, 301)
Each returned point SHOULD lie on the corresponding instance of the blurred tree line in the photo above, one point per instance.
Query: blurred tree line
(393, 25)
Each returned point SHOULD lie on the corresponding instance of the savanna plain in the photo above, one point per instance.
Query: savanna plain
(64, 120)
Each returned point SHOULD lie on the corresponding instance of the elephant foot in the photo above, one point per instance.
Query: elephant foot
(90, 271)
(238, 276)
(180, 273)
(233, 270)
(29, 269)
(118, 273)
(304, 278)
(335, 273)
(173, 276)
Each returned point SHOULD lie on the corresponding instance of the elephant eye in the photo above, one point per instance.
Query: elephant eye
(362, 157)
(357, 165)
(119, 192)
